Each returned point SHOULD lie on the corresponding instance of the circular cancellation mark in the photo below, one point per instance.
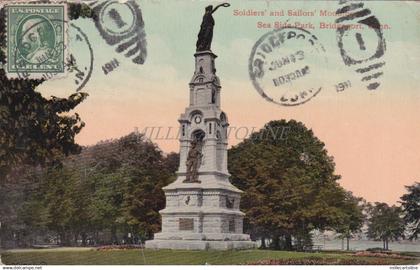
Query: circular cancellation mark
(286, 65)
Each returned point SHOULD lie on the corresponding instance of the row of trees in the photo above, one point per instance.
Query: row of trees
(112, 190)
(109, 191)
(291, 189)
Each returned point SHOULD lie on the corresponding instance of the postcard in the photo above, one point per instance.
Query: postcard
(209, 132)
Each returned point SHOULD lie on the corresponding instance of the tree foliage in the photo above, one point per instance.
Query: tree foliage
(289, 184)
(101, 195)
(411, 206)
(354, 217)
(385, 223)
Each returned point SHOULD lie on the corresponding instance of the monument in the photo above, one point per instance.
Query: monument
(202, 206)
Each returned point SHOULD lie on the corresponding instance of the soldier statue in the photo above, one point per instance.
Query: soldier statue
(193, 162)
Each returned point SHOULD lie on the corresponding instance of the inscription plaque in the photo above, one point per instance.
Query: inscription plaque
(186, 224)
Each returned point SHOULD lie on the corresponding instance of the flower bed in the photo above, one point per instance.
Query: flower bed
(319, 261)
(120, 247)
(381, 255)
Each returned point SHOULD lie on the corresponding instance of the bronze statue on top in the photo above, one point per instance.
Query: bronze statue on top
(205, 35)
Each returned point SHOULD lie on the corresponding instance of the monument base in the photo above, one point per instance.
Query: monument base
(199, 244)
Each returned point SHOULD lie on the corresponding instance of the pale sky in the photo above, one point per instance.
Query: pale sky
(373, 135)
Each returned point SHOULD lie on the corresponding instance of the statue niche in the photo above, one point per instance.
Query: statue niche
(194, 157)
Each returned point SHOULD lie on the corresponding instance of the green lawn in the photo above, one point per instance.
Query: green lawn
(130, 257)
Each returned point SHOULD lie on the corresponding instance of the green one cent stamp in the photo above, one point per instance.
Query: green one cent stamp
(36, 40)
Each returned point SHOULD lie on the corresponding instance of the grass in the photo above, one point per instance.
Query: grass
(166, 257)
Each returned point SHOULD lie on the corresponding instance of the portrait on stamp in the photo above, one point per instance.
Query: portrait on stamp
(36, 40)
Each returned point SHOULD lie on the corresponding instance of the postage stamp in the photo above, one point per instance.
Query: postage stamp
(36, 40)
(282, 66)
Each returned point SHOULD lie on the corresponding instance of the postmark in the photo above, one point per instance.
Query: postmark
(366, 57)
(36, 40)
(110, 66)
(121, 25)
(283, 66)
(78, 64)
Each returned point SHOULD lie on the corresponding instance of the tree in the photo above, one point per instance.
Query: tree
(289, 184)
(17, 192)
(145, 167)
(57, 185)
(172, 162)
(411, 207)
(385, 223)
(353, 217)
(33, 129)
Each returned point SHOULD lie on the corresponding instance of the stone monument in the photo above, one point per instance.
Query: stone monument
(202, 206)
